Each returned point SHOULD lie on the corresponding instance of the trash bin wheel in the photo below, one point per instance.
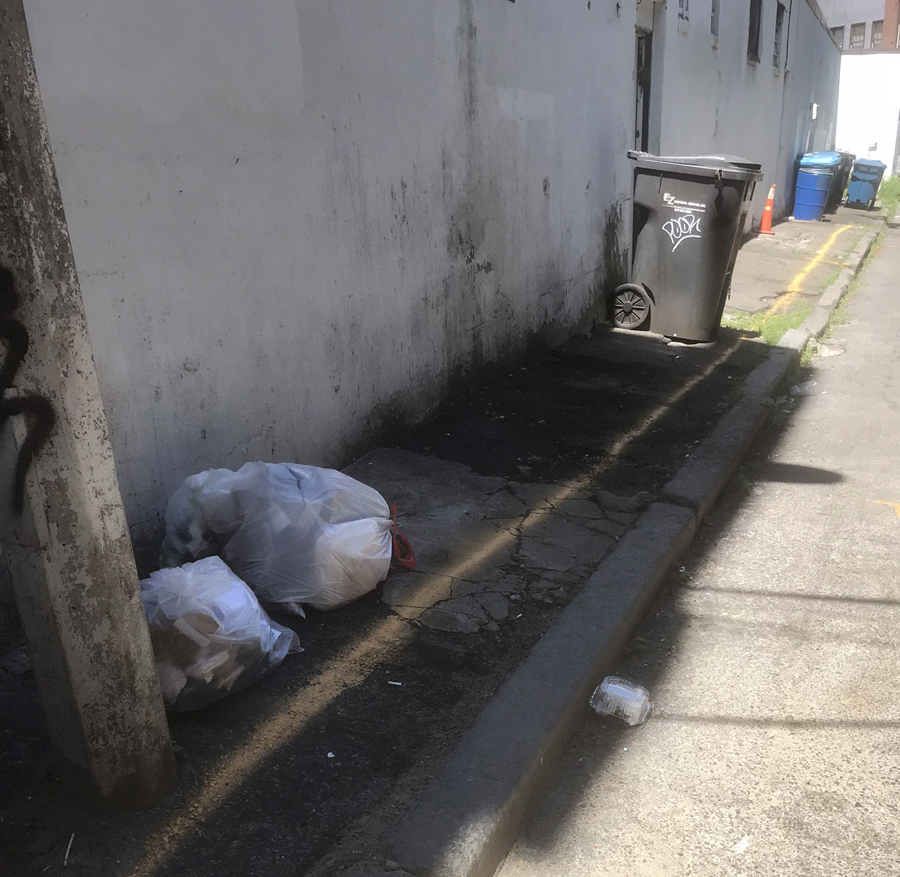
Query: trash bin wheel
(629, 306)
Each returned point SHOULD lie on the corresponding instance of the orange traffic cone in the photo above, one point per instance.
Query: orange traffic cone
(765, 224)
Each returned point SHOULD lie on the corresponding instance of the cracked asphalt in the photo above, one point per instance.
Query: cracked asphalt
(510, 497)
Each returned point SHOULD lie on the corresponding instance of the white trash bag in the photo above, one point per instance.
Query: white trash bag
(210, 635)
(296, 534)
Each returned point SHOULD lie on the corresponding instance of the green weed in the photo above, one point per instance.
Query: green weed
(807, 354)
(889, 195)
(841, 313)
(833, 276)
(769, 326)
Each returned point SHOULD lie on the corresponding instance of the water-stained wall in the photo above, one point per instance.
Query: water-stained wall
(301, 224)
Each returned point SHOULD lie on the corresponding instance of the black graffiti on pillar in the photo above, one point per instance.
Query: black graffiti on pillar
(38, 412)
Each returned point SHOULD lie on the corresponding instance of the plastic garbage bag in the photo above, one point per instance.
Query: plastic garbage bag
(210, 635)
(296, 534)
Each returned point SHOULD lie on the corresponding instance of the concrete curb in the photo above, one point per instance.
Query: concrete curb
(814, 325)
(698, 482)
(467, 820)
(469, 817)
(701, 479)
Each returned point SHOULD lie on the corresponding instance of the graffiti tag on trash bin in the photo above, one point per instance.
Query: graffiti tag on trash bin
(683, 227)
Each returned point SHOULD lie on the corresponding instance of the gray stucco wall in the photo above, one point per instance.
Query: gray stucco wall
(815, 70)
(299, 225)
(715, 100)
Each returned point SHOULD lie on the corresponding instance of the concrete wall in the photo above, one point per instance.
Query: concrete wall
(716, 100)
(299, 228)
(813, 75)
(300, 225)
(868, 114)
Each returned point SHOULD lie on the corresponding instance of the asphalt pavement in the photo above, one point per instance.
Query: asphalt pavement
(771, 656)
(791, 268)
(536, 507)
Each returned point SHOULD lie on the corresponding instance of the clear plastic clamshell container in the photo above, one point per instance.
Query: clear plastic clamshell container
(623, 699)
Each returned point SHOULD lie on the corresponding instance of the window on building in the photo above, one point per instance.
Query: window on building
(837, 34)
(714, 18)
(858, 36)
(753, 36)
(779, 34)
(877, 28)
(683, 10)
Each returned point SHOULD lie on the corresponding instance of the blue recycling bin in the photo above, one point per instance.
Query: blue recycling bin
(815, 178)
(840, 180)
(865, 178)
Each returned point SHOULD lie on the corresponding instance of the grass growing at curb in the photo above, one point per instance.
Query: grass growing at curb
(831, 278)
(841, 313)
(770, 326)
(808, 353)
(889, 195)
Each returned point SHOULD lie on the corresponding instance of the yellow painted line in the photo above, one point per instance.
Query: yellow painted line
(797, 282)
(894, 505)
(352, 666)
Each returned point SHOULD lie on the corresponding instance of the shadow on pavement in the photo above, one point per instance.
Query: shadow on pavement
(657, 642)
(792, 473)
(797, 595)
(750, 722)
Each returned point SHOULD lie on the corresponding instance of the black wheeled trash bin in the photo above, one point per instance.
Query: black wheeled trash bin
(688, 220)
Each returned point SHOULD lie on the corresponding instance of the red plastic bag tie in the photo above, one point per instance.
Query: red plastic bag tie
(403, 558)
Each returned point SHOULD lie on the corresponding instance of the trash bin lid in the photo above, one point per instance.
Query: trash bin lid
(820, 159)
(728, 167)
(870, 164)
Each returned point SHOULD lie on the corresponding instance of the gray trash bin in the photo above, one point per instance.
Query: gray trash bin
(688, 220)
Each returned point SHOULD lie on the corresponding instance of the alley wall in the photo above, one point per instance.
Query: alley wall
(300, 226)
(718, 99)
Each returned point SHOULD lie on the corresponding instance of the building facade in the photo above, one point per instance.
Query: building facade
(299, 228)
(758, 80)
(868, 33)
(863, 25)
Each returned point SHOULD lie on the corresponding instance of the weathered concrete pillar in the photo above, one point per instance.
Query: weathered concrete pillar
(69, 550)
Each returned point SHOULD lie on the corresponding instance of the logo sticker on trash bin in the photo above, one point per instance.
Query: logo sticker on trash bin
(683, 227)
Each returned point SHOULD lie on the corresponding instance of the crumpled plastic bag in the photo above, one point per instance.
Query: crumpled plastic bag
(296, 534)
(210, 635)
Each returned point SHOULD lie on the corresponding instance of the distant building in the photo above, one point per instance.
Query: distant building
(868, 121)
(863, 25)
(868, 34)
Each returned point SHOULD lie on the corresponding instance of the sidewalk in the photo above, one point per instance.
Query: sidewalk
(771, 658)
(788, 271)
(512, 499)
